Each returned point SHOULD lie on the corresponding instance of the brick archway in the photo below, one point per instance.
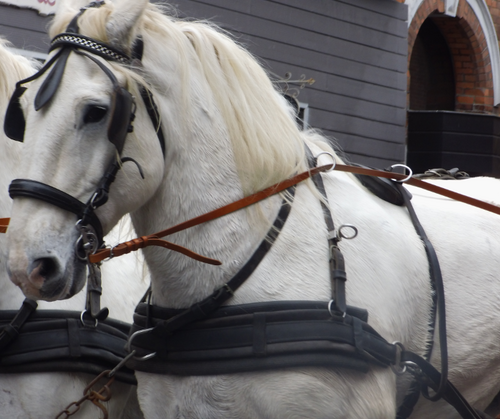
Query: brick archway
(462, 135)
(469, 50)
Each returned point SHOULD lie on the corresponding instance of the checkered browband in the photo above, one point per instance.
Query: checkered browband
(79, 41)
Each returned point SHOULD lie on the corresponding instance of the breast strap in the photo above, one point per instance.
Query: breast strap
(57, 341)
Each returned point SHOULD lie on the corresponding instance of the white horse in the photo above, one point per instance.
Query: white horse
(228, 134)
(44, 395)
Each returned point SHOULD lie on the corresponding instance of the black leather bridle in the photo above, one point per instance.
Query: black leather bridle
(120, 124)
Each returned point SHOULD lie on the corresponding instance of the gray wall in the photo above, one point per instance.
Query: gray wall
(26, 29)
(356, 50)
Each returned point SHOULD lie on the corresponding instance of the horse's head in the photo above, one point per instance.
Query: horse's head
(227, 132)
(76, 115)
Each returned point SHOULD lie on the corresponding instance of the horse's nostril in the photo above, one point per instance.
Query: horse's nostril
(46, 267)
(43, 270)
(45, 276)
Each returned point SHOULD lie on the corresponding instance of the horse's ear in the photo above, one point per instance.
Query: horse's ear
(69, 6)
(65, 11)
(122, 21)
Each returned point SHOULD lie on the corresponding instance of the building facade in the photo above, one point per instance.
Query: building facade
(414, 81)
(453, 85)
(355, 50)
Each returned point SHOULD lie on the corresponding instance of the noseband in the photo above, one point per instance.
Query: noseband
(122, 111)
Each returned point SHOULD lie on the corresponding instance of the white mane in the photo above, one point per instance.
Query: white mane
(13, 67)
(267, 144)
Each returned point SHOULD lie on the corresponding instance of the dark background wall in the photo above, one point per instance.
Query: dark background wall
(26, 29)
(355, 50)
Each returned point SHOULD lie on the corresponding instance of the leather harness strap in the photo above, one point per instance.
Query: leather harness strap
(58, 340)
(4, 224)
(154, 239)
(420, 184)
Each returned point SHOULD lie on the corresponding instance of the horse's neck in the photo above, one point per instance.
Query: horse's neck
(9, 162)
(12, 68)
(9, 165)
(199, 178)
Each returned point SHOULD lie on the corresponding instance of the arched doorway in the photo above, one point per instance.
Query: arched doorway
(451, 117)
(432, 82)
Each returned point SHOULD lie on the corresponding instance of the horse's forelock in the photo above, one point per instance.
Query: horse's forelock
(92, 23)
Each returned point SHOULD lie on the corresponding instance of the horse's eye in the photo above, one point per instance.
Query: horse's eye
(94, 114)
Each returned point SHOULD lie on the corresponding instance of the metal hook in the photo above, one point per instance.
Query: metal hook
(330, 307)
(407, 178)
(131, 339)
(331, 312)
(121, 364)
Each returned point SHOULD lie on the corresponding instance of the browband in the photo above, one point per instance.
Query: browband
(83, 42)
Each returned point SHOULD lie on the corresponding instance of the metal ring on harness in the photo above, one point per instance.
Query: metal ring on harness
(398, 367)
(407, 178)
(343, 235)
(330, 309)
(89, 243)
(111, 255)
(82, 315)
(333, 159)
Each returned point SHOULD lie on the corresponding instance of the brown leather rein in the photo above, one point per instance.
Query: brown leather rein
(155, 239)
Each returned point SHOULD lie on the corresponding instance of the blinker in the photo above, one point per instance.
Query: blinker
(14, 123)
(122, 102)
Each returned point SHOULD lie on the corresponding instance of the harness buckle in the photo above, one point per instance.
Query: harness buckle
(228, 289)
(87, 241)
